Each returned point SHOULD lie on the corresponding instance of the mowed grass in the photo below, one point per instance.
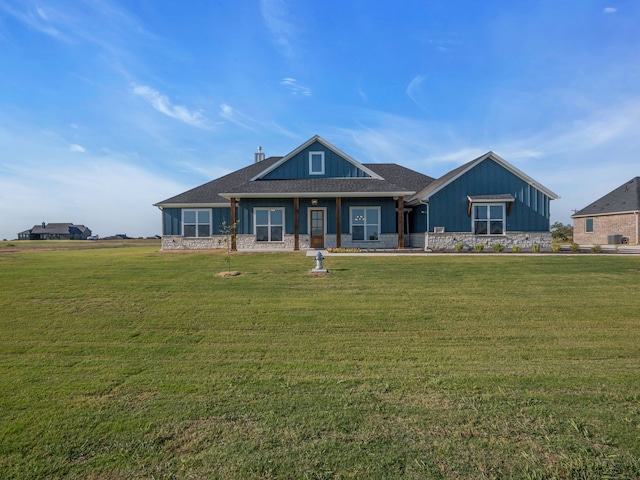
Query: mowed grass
(129, 363)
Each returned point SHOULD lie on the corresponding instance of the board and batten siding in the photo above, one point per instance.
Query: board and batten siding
(298, 166)
(449, 207)
(172, 219)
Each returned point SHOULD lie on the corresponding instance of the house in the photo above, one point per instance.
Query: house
(56, 231)
(612, 219)
(317, 196)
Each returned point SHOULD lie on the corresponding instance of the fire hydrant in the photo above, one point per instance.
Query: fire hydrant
(319, 268)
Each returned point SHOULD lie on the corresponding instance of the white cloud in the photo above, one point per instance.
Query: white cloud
(413, 89)
(610, 10)
(162, 104)
(86, 195)
(74, 147)
(295, 88)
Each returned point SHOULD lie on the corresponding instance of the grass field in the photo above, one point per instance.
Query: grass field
(122, 363)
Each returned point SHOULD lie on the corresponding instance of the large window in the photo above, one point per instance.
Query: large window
(269, 224)
(316, 163)
(365, 223)
(488, 219)
(196, 223)
(588, 225)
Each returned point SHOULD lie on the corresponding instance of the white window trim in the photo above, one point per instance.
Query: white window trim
(197, 224)
(489, 205)
(269, 225)
(593, 226)
(311, 171)
(351, 222)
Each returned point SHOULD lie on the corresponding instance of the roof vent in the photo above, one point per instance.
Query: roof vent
(258, 156)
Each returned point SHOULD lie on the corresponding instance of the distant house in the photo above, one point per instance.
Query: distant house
(56, 231)
(612, 219)
(317, 196)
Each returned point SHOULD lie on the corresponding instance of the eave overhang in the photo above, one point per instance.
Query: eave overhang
(316, 194)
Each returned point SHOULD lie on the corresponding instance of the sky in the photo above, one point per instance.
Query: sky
(107, 107)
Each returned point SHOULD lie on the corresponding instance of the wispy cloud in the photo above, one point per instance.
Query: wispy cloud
(276, 17)
(74, 147)
(295, 88)
(163, 104)
(610, 10)
(414, 87)
(227, 112)
(35, 18)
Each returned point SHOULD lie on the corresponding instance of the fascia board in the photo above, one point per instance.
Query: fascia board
(326, 144)
(315, 194)
(523, 176)
(629, 212)
(190, 205)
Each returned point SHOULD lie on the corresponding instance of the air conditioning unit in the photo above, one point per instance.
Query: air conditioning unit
(438, 229)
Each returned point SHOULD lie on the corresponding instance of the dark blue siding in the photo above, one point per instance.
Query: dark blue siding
(387, 212)
(388, 219)
(449, 207)
(298, 166)
(220, 215)
(171, 218)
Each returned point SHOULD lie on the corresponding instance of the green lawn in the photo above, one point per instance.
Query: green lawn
(122, 363)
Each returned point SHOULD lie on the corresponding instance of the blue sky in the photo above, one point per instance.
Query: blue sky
(107, 107)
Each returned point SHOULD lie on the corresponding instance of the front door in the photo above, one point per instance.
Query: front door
(317, 228)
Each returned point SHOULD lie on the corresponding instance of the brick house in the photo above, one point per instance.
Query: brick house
(612, 219)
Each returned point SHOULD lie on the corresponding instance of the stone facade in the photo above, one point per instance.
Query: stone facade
(625, 224)
(524, 240)
(248, 242)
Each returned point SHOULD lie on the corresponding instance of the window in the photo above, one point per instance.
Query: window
(316, 163)
(588, 227)
(269, 223)
(488, 219)
(196, 223)
(365, 223)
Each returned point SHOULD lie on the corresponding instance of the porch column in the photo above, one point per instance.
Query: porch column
(296, 223)
(400, 223)
(233, 225)
(338, 222)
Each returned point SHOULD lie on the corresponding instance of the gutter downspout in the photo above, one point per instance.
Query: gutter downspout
(426, 230)
(638, 227)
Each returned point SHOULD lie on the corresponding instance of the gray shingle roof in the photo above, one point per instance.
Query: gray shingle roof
(208, 193)
(625, 198)
(396, 180)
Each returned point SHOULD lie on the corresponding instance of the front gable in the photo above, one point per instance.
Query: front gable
(316, 159)
(488, 180)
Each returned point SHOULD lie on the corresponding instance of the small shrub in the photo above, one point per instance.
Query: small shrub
(479, 247)
(343, 250)
(596, 249)
(459, 247)
(516, 249)
(535, 248)
(555, 248)
(498, 247)
(574, 247)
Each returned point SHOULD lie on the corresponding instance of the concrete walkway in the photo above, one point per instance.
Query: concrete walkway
(606, 250)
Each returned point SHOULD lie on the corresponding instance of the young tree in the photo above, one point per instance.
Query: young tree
(228, 230)
(561, 232)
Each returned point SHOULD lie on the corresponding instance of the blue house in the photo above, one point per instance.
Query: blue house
(318, 196)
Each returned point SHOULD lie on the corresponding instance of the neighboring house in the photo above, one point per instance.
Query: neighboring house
(612, 219)
(318, 196)
(56, 231)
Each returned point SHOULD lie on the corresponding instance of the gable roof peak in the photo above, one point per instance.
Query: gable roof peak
(326, 144)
